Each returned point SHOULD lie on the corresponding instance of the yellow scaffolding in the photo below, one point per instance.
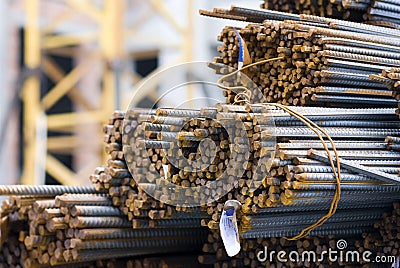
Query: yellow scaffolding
(110, 37)
(31, 92)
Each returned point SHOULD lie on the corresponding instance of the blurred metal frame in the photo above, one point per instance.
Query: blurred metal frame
(110, 36)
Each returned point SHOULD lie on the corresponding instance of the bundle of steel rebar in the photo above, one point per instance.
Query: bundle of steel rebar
(377, 12)
(204, 140)
(300, 180)
(325, 61)
(141, 159)
(15, 222)
(351, 10)
(74, 228)
(171, 170)
(78, 229)
(390, 78)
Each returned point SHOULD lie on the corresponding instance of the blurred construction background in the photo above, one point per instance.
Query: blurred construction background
(68, 64)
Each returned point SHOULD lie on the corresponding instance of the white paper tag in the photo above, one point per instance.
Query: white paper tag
(241, 50)
(229, 229)
(396, 264)
(165, 169)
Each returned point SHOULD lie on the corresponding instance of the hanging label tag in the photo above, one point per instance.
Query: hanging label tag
(241, 49)
(165, 169)
(244, 55)
(229, 229)
(396, 264)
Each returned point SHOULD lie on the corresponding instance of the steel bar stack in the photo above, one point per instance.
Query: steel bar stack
(352, 10)
(173, 131)
(15, 222)
(142, 159)
(325, 61)
(74, 228)
(299, 187)
(204, 140)
(39, 229)
(140, 211)
(390, 78)
(377, 12)
(300, 180)
(282, 210)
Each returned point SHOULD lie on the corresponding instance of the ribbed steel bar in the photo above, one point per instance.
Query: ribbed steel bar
(308, 218)
(376, 174)
(338, 231)
(337, 132)
(44, 190)
(353, 100)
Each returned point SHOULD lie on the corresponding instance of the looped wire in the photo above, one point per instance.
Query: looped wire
(242, 97)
